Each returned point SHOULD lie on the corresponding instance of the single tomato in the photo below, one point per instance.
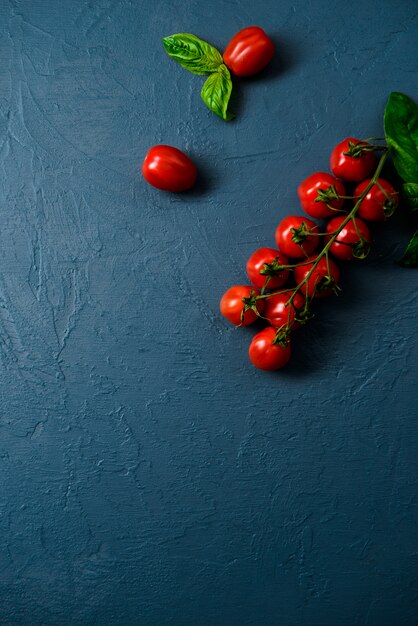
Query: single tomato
(169, 169)
(352, 160)
(265, 354)
(352, 242)
(318, 195)
(379, 203)
(266, 259)
(276, 309)
(232, 305)
(322, 280)
(249, 51)
(295, 236)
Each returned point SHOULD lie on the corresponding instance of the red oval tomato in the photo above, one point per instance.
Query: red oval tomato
(287, 232)
(265, 354)
(169, 169)
(262, 257)
(232, 305)
(349, 162)
(379, 203)
(276, 309)
(249, 51)
(317, 194)
(343, 247)
(319, 274)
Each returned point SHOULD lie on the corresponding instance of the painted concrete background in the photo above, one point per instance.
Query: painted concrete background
(149, 475)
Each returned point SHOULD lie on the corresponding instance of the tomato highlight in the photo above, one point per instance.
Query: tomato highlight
(266, 355)
(319, 195)
(352, 241)
(169, 169)
(352, 160)
(380, 202)
(249, 51)
(262, 268)
(295, 236)
(234, 302)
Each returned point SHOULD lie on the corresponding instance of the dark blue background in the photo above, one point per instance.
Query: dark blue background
(149, 475)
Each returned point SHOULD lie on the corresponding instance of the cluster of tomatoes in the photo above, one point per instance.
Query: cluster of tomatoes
(302, 259)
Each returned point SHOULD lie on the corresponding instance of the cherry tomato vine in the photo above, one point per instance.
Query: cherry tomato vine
(315, 274)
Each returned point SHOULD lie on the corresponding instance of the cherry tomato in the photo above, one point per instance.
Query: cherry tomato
(377, 205)
(259, 259)
(249, 51)
(344, 246)
(276, 309)
(317, 194)
(319, 274)
(265, 354)
(349, 162)
(169, 169)
(287, 232)
(232, 305)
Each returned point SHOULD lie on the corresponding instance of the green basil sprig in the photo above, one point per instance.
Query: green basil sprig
(216, 92)
(401, 130)
(410, 257)
(193, 53)
(410, 193)
(199, 57)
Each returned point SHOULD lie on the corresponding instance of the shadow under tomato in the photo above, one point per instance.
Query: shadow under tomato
(306, 358)
(207, 179)
(288, 54)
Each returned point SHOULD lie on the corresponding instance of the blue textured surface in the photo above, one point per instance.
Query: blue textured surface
(149, 475)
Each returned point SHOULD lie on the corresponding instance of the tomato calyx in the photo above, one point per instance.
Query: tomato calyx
(361, 249)
(390, 204)
(326, 284)
(250, 304)
(273, 268)
(356, 150)
(389, 207)
(300, 233)
(282, 337)
(304, 315)
(326, 195)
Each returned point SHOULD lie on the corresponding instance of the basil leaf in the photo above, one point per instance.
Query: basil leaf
(410, 194)
(195, 55)
(401, 130)
(216, 92)
(410, 258)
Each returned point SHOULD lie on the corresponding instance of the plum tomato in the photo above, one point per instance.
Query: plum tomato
(249, 51)
(169, 169)
(232, 304)
(322, 281)
(352, 160)
(352, 242)
(276, 309)
(379, 203)
(292, 238)
(266, 259)
(266, 355)
(318, 195)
